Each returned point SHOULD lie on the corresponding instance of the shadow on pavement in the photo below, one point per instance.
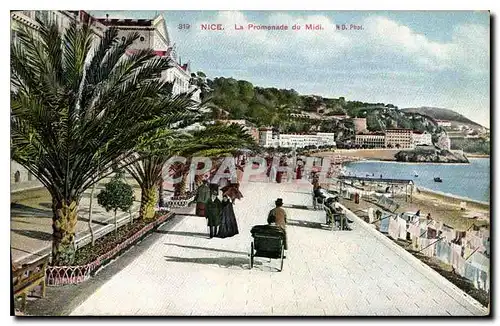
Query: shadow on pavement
(208, 249)
(306, 224)
(34, 234)
(187, 234)
(304, 207)
(20, 210)
(224, 262)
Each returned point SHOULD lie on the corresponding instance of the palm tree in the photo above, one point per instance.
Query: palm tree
(214, 141)
(77, 109)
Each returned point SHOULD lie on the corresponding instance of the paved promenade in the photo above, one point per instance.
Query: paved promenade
(325, 273)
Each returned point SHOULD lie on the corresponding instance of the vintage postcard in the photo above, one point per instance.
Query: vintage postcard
(250, 163)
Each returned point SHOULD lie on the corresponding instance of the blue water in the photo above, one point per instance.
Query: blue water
(464, 180)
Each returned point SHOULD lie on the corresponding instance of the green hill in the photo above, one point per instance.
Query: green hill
(442, 114)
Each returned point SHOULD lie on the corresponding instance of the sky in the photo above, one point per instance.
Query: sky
(407, 58)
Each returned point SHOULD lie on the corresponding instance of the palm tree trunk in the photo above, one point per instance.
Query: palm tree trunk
(183, 184)
(149, 198)
(65, 214)
(161, 202)
(92, 238)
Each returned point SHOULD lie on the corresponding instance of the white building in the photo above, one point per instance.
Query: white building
(422, 138)
(270, 138)
(360, 125)
(399, 138)
(444, 123)
(373, 140)
(153, 34)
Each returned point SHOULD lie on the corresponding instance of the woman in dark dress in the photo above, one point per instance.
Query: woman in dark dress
(228, 226)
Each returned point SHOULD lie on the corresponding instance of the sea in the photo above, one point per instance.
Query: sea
(464, 180)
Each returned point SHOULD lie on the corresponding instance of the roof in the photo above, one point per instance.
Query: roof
(371, 134)
(383, 180)
(125, 22)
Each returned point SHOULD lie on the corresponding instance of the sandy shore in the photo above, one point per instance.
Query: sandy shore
(476, 155)
(442, 208)
(375, 154)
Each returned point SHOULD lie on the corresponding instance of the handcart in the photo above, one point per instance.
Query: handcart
(268, 242)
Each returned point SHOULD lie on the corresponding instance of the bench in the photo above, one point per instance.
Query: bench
(27, 278)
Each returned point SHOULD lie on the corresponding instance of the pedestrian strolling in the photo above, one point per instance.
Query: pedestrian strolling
(214, 208)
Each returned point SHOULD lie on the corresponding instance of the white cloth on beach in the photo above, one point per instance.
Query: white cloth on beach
(393, 228)
(443, 251)
(384, 224)
(456, 251)
(429, 245)
(402, 228)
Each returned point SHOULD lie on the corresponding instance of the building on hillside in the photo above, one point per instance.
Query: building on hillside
(339, 116)
(270, 138)
(371, 140)
(248, 126)
(399, 138)
(360, 125)
(444, 123)
(422, 138)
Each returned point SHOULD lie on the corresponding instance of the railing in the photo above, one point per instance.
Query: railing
(181, 202)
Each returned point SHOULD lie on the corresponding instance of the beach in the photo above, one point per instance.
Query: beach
(442, 205)
(374, 154)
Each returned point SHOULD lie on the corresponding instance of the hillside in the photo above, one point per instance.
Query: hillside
(442, 114)
(288, 110)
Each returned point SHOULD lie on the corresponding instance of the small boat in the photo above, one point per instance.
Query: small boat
(415, 174)
(438, 179)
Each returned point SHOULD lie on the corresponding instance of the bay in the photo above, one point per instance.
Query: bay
(465, 180)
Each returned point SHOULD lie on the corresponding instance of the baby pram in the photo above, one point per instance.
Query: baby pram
(268, 242)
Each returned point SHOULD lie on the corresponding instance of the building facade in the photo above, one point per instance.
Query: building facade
(360, 125)
(271, 138)
(399, 138)
(153, 34)
(422, 138)
(373, 140)
(444, 123)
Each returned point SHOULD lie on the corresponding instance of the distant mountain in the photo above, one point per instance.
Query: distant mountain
(442, 114)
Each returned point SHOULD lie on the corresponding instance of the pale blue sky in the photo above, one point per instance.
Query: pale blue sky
(419, 58)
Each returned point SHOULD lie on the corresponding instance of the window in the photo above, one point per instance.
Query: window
(17, 177)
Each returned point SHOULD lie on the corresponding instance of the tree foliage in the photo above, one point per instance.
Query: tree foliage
(117, 194)
(79, 107)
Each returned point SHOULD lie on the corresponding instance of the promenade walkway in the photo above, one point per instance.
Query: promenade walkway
(325, 273)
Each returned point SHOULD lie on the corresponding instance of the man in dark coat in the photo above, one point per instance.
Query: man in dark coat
(214, 208)
(202, 197)
(277, 216)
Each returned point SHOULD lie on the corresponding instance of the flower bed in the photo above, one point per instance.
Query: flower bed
(90, 258)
